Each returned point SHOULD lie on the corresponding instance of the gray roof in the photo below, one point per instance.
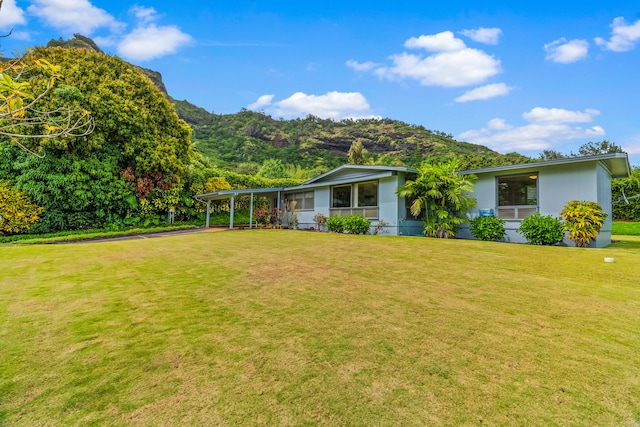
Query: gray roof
(616, 163)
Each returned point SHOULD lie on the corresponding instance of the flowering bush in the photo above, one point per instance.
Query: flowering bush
(263, 217)
(17, 213)
(320, 220)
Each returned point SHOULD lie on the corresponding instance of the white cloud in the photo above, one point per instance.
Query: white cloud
(149, 41)
(449, 69)
(547, 128)
(566, 52)
(262, 101)
(11, 15)
(632, 147)
(332, 105)
(144, 15)
(365, 66)
(441, 42)
(73, 16)
(452, 65)
(484, 92)
(483, 35)
(623, 36)
(559, 115)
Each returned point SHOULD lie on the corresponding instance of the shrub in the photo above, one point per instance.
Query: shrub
(335, 224)
(263, 216)
(487, 228)
(17, 213)
(320, 220)
(356, 224)
(541, 230)
(583, 221)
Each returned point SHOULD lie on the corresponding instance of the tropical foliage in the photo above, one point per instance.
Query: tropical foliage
(132, 165)
(24, 116)
(251, 138)
(17, 213)
(625, 193)
(539, 229)
(444, 194)
(582, 221)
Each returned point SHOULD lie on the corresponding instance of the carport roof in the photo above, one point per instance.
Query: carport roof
(227, 194)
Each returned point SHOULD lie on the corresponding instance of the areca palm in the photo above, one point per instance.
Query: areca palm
(444, 194)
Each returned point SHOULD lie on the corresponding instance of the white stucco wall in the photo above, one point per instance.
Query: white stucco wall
(557, 185)
(388, 209)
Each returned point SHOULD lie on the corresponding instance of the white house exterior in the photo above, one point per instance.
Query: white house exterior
(357, 190)
(346, 190)
(514, 192)
(510, 192)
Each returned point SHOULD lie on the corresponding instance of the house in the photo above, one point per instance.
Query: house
(347, 190)
(510, 192)
(515, 192)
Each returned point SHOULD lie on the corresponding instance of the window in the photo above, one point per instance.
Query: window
(368, 194)
(304, 200)
(356, 199)
(517, 196)
(341, 196)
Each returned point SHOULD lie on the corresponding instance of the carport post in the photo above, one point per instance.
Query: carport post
(232, 208)
(208, 213)
(251, 212)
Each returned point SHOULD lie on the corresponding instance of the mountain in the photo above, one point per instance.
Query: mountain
(253, 137)
(249, 136)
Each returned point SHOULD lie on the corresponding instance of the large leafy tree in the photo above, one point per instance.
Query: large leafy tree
(443, 193)
(132, 163)
(24, 118)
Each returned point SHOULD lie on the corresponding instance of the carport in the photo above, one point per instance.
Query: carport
(275, 194)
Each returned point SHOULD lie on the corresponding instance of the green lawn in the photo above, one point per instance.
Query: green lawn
(283, 327)
(626, 228)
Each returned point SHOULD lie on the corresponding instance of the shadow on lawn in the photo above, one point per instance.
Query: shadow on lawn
(625, 242)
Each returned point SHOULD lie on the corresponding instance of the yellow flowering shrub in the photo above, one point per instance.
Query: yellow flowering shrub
(17, 213)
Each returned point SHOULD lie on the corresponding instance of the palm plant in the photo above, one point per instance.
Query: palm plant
(444, 194)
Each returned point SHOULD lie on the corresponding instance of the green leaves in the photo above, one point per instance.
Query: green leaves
(444, 193)
(583, 221)
(541, 230)
(17, 213)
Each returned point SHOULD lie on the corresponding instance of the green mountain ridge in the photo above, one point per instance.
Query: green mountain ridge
(249, 137)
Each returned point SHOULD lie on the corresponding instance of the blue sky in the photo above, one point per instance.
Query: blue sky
(541, 75)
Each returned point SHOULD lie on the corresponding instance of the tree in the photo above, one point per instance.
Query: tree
(273, 168)
(552, 155)
(23, 117)
(444, 194)
(357, 153)
(132, 164)
(602, 147)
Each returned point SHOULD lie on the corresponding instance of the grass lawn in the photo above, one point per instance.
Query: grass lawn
(282, 327)
(625, 228)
